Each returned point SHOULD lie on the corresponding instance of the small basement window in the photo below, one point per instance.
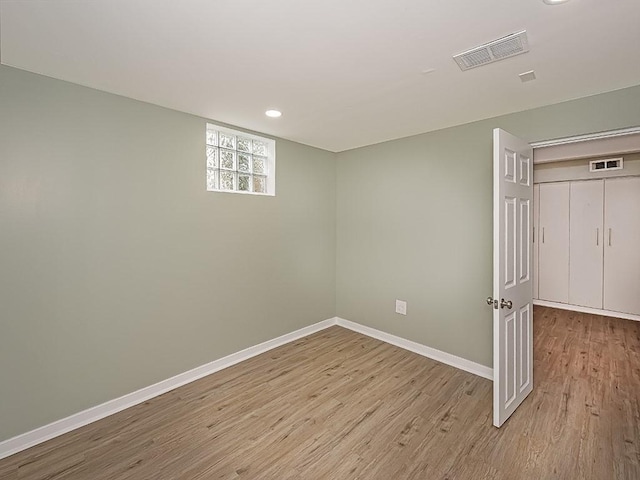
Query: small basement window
(239, 162)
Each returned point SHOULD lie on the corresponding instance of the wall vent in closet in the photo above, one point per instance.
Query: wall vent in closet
(606, 164)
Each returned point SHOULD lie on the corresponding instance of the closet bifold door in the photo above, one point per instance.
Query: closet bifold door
(553, 253)
(586, 247)
(622, 245)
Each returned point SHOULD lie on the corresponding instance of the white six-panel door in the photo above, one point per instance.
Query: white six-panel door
(512, 274)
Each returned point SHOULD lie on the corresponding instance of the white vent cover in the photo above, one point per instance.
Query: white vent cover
(499, 49)
(606, 164)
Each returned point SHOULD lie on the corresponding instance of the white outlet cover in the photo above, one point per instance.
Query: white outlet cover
(401, 307)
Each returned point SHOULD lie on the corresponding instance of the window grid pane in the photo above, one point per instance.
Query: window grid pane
(227, 180)
(244, 145)
(227, 141)
(259, 184)
(244, 162)
(212, 157)
(259, 165)
(227, 159)
(212, 179)
(244, 182)
(212, 137)
(259, 148)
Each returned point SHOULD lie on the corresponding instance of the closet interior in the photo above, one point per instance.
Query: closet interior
(586, 235)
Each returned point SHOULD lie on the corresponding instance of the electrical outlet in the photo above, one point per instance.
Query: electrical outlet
(401, 307)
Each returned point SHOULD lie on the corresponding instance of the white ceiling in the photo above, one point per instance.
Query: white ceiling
(345, 73)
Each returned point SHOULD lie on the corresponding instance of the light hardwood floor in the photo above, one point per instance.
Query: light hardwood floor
(339, 405)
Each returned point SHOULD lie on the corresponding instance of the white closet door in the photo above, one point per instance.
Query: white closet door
(536, 237)
(622, 245)
(586, 243)
(553, 255)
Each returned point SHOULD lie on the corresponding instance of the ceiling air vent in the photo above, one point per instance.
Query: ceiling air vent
(606, 164)
(499, 49)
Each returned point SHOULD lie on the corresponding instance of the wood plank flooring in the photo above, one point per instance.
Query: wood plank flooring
(339, 405)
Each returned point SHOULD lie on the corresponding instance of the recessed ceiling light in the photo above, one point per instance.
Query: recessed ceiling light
(273, 113)
(554, 2)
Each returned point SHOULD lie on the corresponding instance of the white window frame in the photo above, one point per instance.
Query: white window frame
(213, 185)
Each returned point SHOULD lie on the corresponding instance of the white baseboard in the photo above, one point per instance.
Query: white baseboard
(90, 415)
(594, 311)
(77, 420)
(438, 355)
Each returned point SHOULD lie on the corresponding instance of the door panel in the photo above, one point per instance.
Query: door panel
(553, 255)
(512, 278)
(525, 329)
(509, 253)
(622, 245)
(524, 243)
(586, 247)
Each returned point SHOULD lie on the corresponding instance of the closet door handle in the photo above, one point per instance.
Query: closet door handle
(609, 237)
(534, 234)
(597, 237)
(542, 234)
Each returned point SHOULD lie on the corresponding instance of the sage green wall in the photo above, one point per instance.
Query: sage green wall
(118, 269)
(415, 223)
